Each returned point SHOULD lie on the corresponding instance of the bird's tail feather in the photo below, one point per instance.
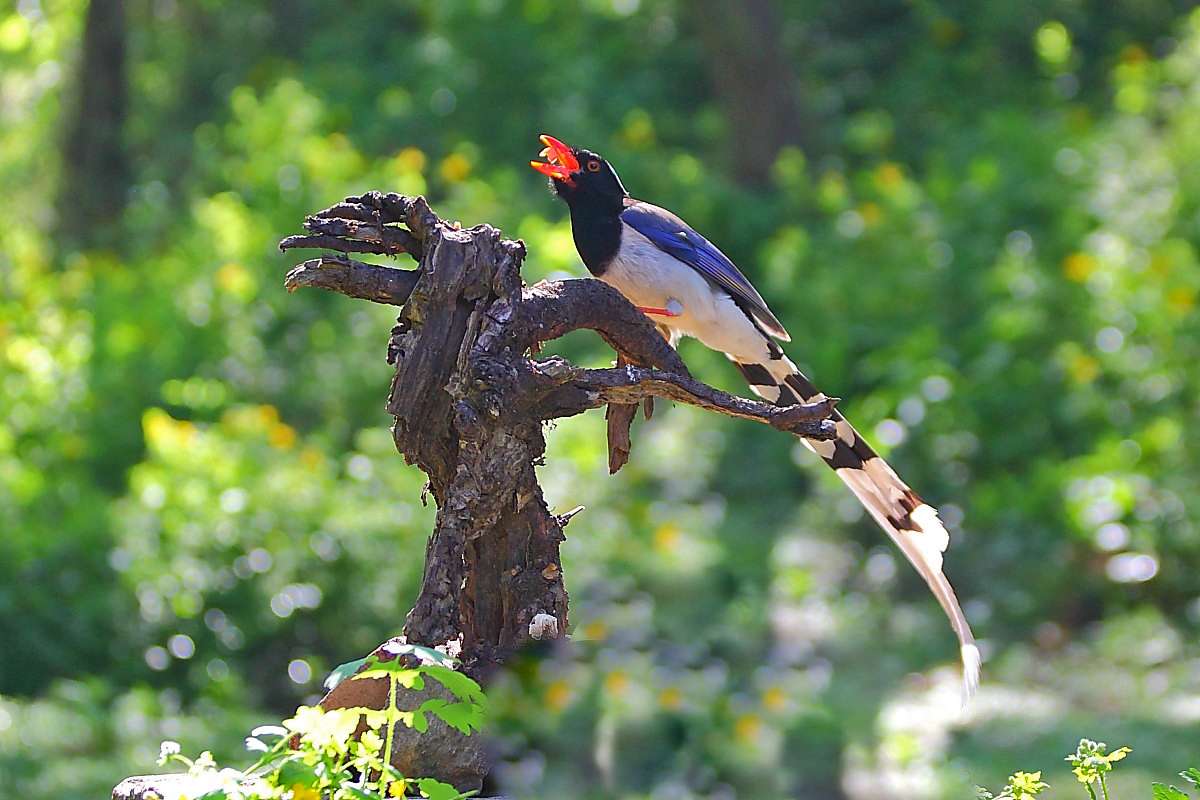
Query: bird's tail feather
(910, 522)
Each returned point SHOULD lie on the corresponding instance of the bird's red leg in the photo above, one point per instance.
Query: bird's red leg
(659, 312)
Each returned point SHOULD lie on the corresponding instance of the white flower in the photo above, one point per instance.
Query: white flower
(166, 750)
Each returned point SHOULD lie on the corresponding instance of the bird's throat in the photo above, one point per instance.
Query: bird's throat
(597, 237)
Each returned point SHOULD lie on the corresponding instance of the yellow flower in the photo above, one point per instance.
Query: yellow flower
(300, 792)
(311, 458)
(1083, 368)
(889, 175)
(282, 436)
(747, 727)
(455, 168)
(236, 280)
(666, 537)
(1078, 266)
(595, 631)
(410, 159)
(870, 213)
(324, 728)
(1134, 54)
(558, 695)
(1181, 299)
(268, 414)
(774, 699)
(616, 682)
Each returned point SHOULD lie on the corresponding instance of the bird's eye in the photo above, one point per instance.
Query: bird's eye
(593, 166)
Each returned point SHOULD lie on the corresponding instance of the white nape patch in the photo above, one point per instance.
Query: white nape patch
(822, 447)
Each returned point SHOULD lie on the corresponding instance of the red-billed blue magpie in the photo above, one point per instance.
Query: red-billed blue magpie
(690, 288)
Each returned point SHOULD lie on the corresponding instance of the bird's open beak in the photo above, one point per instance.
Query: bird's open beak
(561, 161)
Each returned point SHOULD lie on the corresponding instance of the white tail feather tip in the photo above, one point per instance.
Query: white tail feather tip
(971, 662)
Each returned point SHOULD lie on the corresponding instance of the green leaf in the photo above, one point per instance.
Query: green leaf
(1192, 776)
(213, 794)
(463, 717)
(342, 672)
(436, 790)
(358, 793)
(460, 685)
(295, 772)
(1164, 792)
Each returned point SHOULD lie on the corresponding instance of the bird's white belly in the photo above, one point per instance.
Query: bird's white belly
(650, 278)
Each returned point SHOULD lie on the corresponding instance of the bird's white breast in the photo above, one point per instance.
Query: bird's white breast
(649, 277)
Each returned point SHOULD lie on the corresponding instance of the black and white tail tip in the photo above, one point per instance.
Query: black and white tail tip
(910, 522)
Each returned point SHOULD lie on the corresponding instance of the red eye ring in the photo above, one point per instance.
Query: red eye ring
(593, 166)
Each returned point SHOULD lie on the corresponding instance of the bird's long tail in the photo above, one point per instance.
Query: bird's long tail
(911, 523)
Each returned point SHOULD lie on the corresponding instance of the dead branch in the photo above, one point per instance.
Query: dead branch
(470, 405)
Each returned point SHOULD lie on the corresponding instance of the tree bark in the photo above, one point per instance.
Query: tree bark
(95, 174)
(469, 405)
(754, 82)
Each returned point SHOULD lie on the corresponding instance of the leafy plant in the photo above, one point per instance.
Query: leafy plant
(1091, 762)
(1164, 792)
(1021, 786)
(315, 755)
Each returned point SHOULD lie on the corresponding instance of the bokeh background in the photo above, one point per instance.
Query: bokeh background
(979, 220)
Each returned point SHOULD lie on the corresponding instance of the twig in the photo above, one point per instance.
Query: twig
(577, 390)
(354, 279)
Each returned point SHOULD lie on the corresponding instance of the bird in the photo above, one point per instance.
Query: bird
(688, 287)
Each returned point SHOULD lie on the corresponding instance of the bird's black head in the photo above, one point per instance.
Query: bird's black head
(580, 177)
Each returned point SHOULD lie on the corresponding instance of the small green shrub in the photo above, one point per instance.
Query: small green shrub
(315, 756)
(1090, 762)
(1021, 786)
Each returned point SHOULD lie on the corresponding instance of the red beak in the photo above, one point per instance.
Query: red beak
(562, 161)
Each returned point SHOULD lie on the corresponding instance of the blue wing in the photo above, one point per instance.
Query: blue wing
(675, 237)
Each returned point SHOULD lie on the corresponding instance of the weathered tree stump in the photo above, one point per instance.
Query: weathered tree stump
(470, 402)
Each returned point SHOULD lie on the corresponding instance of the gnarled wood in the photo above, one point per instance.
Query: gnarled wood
(470, 402)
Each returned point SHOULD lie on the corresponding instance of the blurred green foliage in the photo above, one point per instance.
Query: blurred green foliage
(990, 251)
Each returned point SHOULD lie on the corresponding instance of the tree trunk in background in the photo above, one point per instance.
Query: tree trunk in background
(95, 170)
(754, 82)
